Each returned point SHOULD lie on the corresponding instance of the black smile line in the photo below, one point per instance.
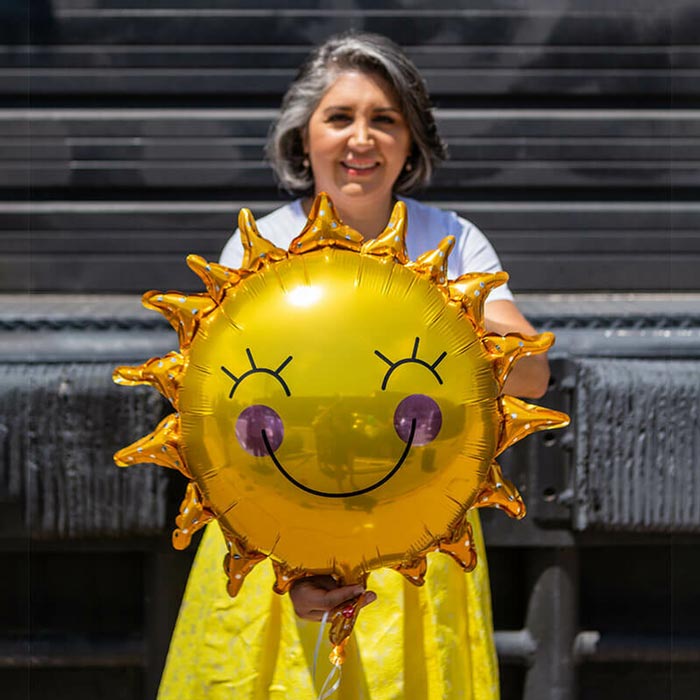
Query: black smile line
(346, 494)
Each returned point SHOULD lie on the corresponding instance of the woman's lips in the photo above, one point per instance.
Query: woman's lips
(360, 168)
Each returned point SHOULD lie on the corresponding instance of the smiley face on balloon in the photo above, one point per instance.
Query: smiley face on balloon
(338, 406)
(260, 432)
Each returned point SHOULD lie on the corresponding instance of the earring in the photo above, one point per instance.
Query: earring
(305, 163)
(408, 167)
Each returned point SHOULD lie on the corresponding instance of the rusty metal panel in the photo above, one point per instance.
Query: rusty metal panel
(637, 445)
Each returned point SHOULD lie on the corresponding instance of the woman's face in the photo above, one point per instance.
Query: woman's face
(357, 141)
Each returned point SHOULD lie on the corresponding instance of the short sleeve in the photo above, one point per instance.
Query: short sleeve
(278, 227)
(476, 254)
(232, 254)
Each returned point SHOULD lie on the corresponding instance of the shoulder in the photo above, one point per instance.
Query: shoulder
(283, 223)
(424, 217)
(426, 222)
(279, 227)
(428, 225)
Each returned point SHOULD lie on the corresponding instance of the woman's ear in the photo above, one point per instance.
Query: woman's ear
(410, 159)
(304, 133)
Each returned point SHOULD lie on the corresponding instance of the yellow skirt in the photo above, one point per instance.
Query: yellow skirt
(428, 643)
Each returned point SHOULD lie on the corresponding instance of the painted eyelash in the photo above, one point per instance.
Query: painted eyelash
(276, 373)
(413, 358)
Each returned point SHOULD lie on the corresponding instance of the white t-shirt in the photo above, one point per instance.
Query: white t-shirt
(427, 226)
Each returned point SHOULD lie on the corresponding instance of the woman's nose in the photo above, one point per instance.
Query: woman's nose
(361, 136)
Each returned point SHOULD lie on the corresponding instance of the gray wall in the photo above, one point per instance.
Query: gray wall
(137, 128)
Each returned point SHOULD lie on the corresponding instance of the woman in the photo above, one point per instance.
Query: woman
(357, 124)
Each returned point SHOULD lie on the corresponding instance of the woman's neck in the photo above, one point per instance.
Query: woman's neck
(369, 218)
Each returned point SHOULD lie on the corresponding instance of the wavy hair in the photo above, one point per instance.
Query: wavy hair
(370, 53)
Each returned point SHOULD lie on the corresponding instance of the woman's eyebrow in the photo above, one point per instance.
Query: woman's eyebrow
(346, 108)
(336, 108)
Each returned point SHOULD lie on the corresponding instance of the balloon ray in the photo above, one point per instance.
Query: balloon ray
(163, 373)
(499, 492)
(183, 312)
(161, 447)
(216, 277)
(414, 570)
(472, 289)
(238, 563)
(257, 251)
(324, 229)
(506, 350)
(391, 242)
(521, 419)
(341, 625)
(433, 263)
(285, 576)
(460, 546)
(193, 516)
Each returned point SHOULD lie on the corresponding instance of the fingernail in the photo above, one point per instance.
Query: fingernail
(370, 597)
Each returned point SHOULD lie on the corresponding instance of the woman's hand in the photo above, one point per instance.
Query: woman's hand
(530, 376)
(316, 595)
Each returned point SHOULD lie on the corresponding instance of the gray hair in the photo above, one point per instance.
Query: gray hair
(370, 53)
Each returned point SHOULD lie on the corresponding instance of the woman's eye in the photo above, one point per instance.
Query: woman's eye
(338, 118)
(384, 119)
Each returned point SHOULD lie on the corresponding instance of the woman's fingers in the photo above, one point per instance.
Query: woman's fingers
(314, 596)
(335, 597)
(361, 600)
(366, 599)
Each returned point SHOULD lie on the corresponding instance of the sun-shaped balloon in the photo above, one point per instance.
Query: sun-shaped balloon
(338, 407)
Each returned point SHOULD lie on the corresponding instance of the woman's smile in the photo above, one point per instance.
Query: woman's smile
(356, 167)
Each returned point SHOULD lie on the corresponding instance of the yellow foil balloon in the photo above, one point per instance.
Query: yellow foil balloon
(339, 407)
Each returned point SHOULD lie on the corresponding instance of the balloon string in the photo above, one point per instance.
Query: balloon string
(327, 690)
(321, 629)
(331, 684)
